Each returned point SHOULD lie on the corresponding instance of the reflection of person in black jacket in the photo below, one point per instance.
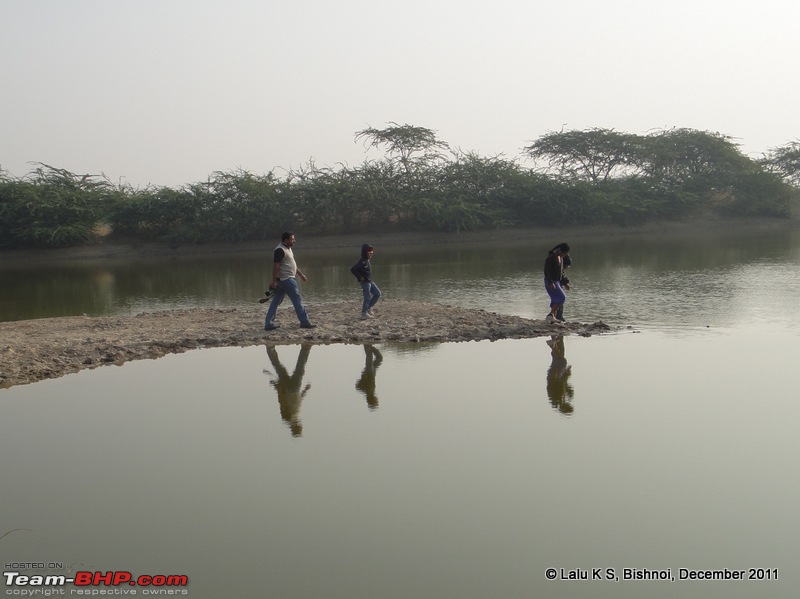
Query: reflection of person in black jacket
(290, 395)
(559, 391)
(362, 270)
(366, 384)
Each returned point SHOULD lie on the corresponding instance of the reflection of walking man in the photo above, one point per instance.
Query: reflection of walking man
(290, 395)
(366, 384)
(559, 391)
(284, 271)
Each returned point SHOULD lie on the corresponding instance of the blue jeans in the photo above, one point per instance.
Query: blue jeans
(292, 289)
(371, 295)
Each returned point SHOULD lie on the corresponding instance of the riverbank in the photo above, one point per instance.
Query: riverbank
(34, 350)
(110, 248)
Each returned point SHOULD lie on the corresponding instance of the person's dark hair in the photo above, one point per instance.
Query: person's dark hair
(286, 235)
(561, 247)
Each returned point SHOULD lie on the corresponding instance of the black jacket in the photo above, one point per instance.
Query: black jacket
(362, 270)
(552, 269)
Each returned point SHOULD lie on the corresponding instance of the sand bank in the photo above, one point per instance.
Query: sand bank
(34, 350)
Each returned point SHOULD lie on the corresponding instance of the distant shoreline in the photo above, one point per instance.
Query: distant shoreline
(125, 249)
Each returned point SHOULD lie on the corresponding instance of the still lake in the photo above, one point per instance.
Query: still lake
(453, 470)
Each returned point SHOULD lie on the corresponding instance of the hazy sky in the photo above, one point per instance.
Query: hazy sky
(167, 91)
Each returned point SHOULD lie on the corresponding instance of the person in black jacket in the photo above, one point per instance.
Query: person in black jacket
(362, 270)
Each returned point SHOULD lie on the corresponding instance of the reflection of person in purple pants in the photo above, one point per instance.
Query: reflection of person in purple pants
(559, 390)
(553, 275)
(284, 271)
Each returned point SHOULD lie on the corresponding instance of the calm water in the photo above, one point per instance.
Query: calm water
(627, 280)
(441, 470)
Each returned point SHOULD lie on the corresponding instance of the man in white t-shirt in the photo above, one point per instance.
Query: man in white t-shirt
(284, 273)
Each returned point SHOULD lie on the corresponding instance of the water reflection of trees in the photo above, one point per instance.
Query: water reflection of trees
(402, 350)
(559, 391)
(290, 387)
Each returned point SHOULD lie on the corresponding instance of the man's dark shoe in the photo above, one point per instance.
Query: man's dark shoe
(308, 325)
(270, 327)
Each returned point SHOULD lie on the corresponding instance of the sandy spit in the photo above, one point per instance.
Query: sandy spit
(34, 350)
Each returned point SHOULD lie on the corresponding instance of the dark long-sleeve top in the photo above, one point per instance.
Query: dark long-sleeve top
(553, 271)
(362, 270)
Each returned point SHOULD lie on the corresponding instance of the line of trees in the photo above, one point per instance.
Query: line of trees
(579, 177)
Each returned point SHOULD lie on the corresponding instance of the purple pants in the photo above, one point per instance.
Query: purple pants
(557, 295)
